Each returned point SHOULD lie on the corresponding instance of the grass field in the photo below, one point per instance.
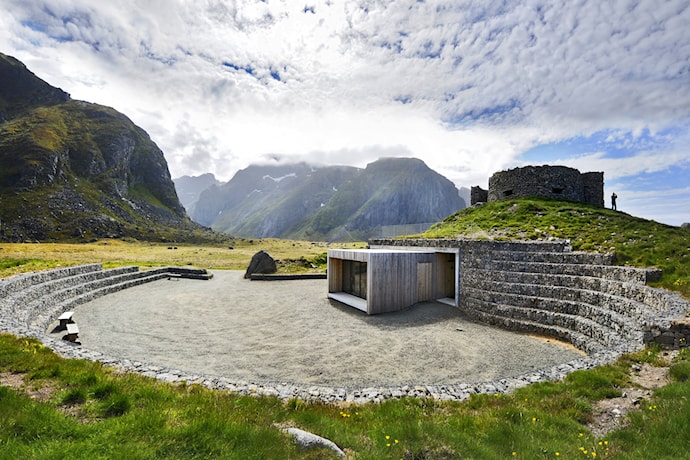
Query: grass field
(296, 255)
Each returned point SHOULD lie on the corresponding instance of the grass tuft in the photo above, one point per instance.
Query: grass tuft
(74, 396)
(680, 372)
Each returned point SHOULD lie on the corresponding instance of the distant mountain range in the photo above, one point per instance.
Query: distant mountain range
(74, 170)
(302, 201)
(189, 189)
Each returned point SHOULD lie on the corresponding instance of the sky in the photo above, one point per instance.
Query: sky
(470, 87)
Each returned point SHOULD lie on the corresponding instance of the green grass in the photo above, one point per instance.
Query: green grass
(635, 241)
(91, 411)
(235, 254)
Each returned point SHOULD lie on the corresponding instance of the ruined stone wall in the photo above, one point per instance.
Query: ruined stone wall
(478, 195)
(556, 182)
(593, 183)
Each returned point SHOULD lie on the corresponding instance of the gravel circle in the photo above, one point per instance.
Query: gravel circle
(289, 331)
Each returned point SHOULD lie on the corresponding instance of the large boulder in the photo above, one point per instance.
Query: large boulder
(261, 263)
(685, 225)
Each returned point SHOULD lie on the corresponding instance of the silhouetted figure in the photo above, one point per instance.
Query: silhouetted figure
(613, 202)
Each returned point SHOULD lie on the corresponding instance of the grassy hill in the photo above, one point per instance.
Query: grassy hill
(635, 241)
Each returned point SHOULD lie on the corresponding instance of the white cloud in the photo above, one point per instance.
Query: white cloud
(667, 206)
(640, 163)
(465, 86)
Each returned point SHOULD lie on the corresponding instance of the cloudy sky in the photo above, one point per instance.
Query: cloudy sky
(470, 87)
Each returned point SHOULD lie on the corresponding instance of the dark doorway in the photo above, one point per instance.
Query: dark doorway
(355, 278)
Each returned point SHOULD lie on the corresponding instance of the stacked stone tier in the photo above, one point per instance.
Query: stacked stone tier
(30, 302)
(574, 296)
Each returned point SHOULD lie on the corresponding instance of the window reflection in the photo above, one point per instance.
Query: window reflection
(355, 278)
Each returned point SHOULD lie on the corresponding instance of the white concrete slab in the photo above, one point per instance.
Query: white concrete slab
(349, 299)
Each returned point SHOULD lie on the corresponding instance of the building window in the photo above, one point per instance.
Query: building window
(557, 190)
(355, 278)
(507, 192)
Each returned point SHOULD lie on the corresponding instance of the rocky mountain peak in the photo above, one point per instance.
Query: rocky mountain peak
(21, 90)
(304, 201)
(72, 169)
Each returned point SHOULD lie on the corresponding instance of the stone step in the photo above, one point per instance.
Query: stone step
(573, 258)
(470, 245)
(12, 287)
(56, 297)
(487, 260)
(43, 318)
(630, 308)
(603, 335)
(570, 281)
(37, 291)
(609, 272)
(578, 340)
(616, 322)
(188, 273)
(591, 283)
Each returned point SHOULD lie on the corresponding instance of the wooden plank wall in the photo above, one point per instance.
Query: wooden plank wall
(335, 274)
(425, 281)
(444, 281)
(393, 280)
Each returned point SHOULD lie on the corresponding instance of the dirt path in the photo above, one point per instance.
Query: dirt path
(288, 331)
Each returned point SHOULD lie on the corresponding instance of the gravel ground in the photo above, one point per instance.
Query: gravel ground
(289, 331)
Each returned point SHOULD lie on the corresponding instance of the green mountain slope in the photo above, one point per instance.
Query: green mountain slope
(75, 170)
(635, 241)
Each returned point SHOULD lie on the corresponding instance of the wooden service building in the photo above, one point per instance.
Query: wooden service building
(387, 280)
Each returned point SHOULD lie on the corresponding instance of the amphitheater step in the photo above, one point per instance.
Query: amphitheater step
(573, 258)
(40, 290)
(47, 294)
(575, 282)
(618, 323)
(20, 282)
(619, 297)
(577, 339)
(591, 283)
(73, 297)
(51, 299)
(12, 289)
(602, 334)
(609, 272)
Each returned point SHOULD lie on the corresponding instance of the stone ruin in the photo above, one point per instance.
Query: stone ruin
(556, 182)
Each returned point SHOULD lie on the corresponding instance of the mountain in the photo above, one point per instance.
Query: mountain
(465, 194)
(302, 201)
(75, 170)
(189, 188)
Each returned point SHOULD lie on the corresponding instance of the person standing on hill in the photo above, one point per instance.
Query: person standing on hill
(613, 201)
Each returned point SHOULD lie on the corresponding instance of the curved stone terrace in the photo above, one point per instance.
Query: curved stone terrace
(331, 353)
